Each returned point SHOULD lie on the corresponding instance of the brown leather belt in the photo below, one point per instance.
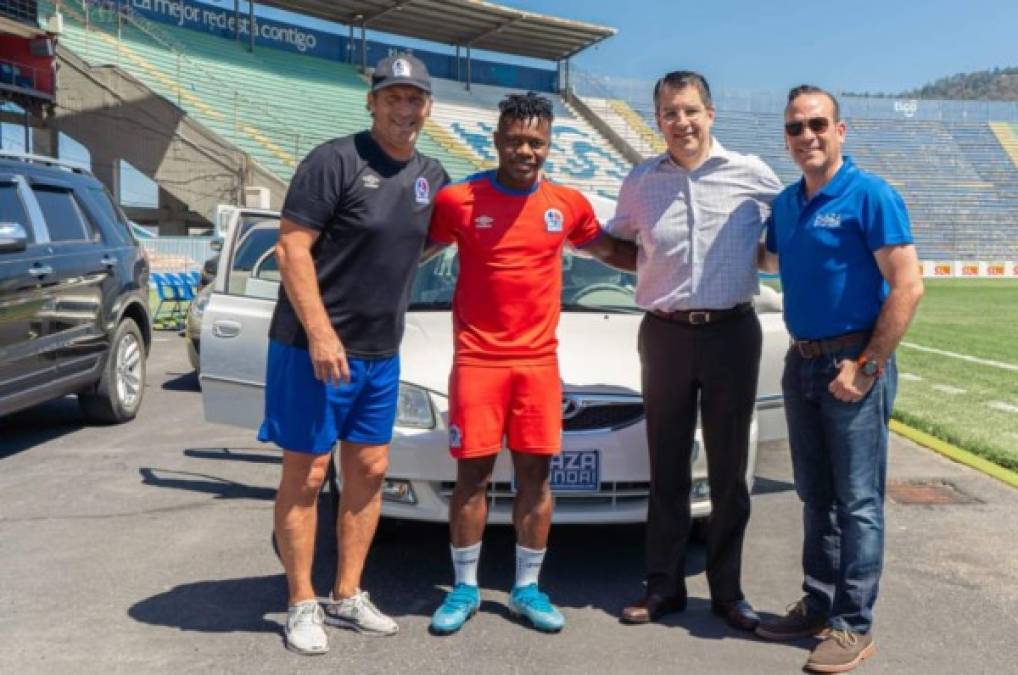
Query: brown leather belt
(811, 349)
(701, 317)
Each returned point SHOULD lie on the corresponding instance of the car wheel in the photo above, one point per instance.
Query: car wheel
(117, 396)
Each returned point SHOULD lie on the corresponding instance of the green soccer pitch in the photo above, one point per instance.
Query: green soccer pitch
(958, 367)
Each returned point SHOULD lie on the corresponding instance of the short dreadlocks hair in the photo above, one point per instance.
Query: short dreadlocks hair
(524, 107)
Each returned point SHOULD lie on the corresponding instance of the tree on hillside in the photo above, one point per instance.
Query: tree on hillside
(996, 84)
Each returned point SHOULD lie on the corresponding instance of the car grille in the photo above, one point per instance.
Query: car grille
(585, 412)
(611, 493)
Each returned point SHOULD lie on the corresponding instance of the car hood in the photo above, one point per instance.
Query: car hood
(597, 351)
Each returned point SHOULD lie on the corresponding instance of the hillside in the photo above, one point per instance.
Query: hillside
(998, 84)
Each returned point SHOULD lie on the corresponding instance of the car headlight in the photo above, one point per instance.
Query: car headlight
(414, 408)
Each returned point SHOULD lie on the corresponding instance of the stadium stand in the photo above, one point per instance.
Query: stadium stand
(580, 157)
(962, 196)
(1007, 135)
(986, 151)
(960, 179)
(628, 124)
(274, 105)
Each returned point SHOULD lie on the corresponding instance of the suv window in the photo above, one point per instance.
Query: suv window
(12, 210)
(111, 214)
(64, 218)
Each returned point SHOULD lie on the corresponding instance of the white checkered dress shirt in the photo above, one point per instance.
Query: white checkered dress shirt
(697, 230)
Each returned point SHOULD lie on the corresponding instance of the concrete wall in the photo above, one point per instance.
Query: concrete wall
(117, 117)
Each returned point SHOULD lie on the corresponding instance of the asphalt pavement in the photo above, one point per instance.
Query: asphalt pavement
(146, 548)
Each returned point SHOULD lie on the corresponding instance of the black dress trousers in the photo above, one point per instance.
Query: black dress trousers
(711, 367)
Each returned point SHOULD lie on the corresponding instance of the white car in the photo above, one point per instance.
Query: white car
(601, 475)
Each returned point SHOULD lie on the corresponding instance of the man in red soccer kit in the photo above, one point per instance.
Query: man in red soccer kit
(510, 227)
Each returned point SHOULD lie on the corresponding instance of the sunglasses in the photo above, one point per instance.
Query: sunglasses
(817, 125)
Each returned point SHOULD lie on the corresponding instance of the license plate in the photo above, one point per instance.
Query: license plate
(574, 471)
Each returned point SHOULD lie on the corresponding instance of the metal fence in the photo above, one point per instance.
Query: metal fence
(638, 94)
(177, 254)
(25, 11)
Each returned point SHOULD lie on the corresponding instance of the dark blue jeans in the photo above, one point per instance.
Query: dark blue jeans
(839, 458)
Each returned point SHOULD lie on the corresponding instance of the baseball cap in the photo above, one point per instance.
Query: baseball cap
(401, 69)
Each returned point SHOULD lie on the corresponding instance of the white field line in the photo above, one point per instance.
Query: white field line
(962, 357)
(948, 389)
(911, 377)
(1003, 407)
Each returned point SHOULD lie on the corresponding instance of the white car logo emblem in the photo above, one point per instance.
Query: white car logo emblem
(483, 222)
(371, 181)
(570, 408)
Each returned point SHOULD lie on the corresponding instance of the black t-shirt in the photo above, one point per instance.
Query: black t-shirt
(373, 214)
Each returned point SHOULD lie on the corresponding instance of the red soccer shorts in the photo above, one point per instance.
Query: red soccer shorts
(522, 404)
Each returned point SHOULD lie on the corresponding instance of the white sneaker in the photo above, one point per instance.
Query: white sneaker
(358, 613)
(304, 632)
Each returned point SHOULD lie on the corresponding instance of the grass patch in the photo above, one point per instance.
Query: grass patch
(970, 316)
(975, 317)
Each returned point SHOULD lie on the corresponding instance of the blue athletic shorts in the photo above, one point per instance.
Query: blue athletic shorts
(303, 414)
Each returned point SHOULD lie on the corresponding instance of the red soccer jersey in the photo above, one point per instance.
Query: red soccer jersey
(507, 301)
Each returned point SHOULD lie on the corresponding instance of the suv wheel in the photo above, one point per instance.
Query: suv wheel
(117, 397)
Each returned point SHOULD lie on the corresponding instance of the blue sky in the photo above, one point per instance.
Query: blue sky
(866, 45)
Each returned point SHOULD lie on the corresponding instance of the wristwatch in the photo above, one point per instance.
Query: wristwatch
(870, 368)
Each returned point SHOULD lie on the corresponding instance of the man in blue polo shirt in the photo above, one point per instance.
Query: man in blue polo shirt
(842, 241)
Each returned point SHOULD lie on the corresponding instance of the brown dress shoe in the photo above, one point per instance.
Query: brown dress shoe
(840, 652)
(652, 607)
(738, 614)
(799, 621)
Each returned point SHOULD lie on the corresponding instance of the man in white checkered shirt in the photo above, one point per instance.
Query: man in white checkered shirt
(697, 213)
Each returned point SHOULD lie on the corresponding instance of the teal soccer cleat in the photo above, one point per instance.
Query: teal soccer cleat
(460, 604)
(533, 605)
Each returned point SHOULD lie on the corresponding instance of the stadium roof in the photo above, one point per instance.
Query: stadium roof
(12, 27)
(469, 23)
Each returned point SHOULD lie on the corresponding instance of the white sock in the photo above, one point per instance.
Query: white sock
(464, 563)
(528, 565)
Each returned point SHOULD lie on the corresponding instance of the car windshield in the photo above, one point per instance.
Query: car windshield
(587, 285)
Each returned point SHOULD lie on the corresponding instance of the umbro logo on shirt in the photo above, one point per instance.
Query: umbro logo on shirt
(371, 181)
(455, 436)
(484, 222)
(828, 221)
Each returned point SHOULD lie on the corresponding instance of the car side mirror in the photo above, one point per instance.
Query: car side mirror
(13, 238)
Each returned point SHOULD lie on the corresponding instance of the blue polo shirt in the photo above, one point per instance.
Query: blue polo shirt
(825, 246)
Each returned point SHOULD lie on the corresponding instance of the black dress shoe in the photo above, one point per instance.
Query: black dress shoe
(652, 607)
(737, 614)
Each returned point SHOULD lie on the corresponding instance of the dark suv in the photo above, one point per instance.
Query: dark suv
(73, 292)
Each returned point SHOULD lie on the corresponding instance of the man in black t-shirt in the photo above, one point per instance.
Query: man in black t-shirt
(353, 227)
